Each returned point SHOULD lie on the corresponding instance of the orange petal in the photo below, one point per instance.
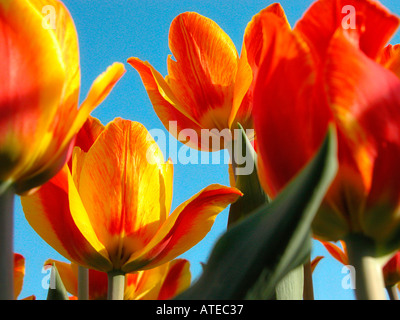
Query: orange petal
(367, 114)
(315, 262)
(48, 212)
(204, 73)
(30, 89)
(373, 28)
(68, 273)
(125, 186)
(290, 118)
(249, 64)
(336, 252)
(19, 273)
(99, 90)
(170, 111)
(184, 228)
(380, 219)
(88, 134)
(145, 284)
(177, 279)
(67, 39)
(390, 58)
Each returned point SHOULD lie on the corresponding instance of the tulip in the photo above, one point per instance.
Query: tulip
(366, 114)
(39, 93)
(325, 71)
(110, 211)
(208, 88)
(161, 283)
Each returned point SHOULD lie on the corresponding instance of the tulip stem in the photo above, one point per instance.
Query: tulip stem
(392, 292)
(116, 286)
(308, 290)
(368, 272)
(7, 245)
(83, 283)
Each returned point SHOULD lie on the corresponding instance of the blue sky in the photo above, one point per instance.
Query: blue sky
(114, 30)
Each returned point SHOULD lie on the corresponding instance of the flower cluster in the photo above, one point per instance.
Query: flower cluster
(317, 108)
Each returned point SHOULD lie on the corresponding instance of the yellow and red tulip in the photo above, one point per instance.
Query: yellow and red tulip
(39, 92)
(110, 211)
(208, 87)
(160, 283)
(319, 73)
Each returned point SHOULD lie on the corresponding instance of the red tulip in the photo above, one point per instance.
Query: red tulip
(323, 72)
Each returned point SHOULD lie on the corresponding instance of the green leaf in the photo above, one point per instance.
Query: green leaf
(248, 183)
(273, 240)
(57, 289)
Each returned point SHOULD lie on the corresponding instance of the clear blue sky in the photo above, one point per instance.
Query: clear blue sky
(114, 30)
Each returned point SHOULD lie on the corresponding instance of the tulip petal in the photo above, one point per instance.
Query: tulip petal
(184, 228)
(249, 64)
(369, 114)
(315, 262)
(286, 89)
(122, 182)
(336, 252)
(48, 212)
(100, 89)
(68, 273)
(88, 134)
(390, 58)
(165, 103)
(67, 39)
(205, 69)
(33, 94)
(58, 150)
(381, 219)
(372, 29)
(177, 279)
(19, 273)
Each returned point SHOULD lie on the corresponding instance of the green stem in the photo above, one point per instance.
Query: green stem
(116, 286)
(308, 293)
(392, 292)
(83, 283)
(368, 272)
(7, 245)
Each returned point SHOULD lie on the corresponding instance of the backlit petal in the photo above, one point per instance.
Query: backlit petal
(174, 117)
(29, 96)
(185, 227)
(122, 182)
(205, 68)
(48, 212)
(285, 109)
(177, 279)
(249, 64)
(68, 273)
(372, 29)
